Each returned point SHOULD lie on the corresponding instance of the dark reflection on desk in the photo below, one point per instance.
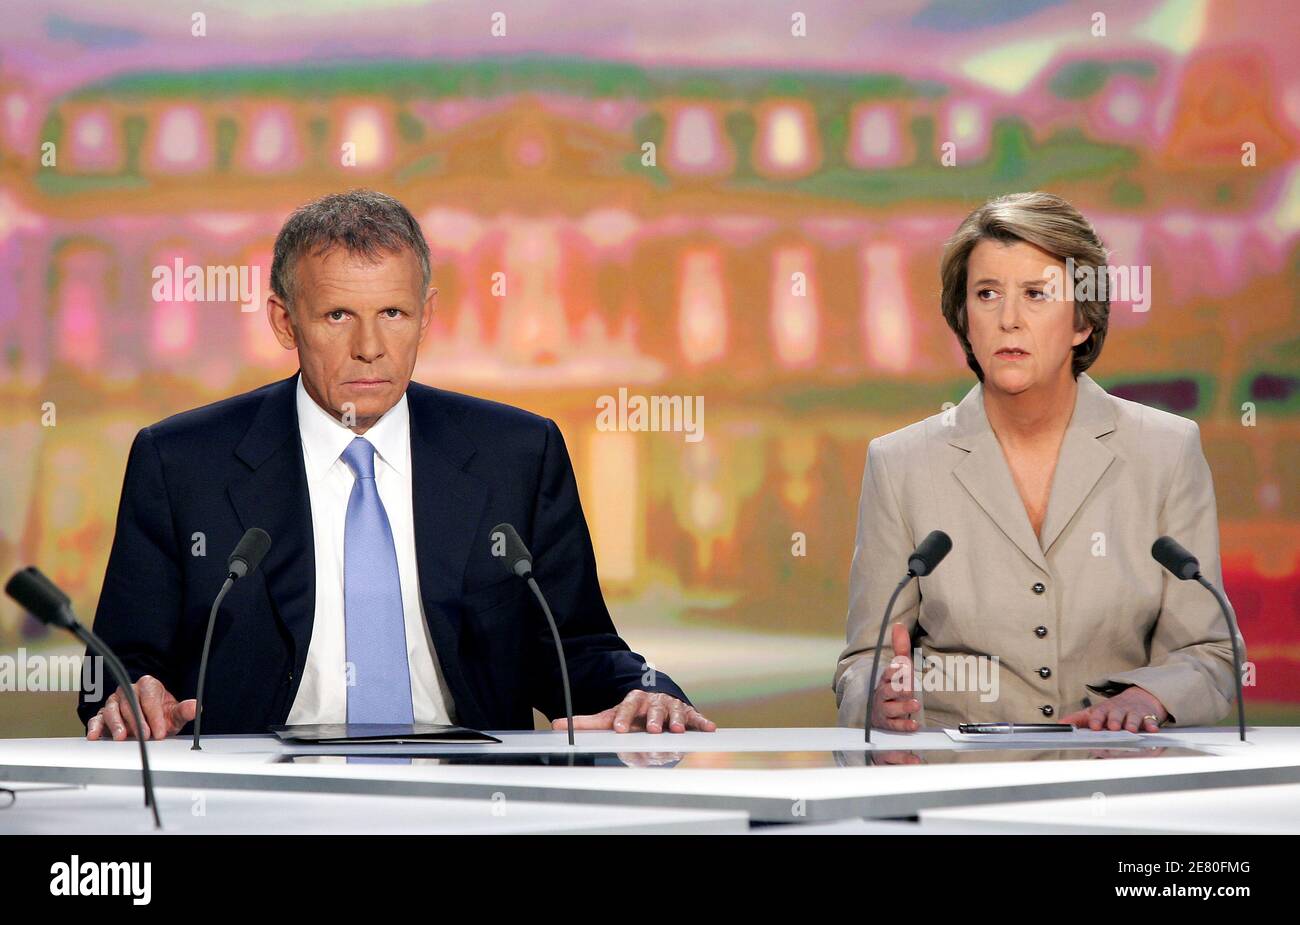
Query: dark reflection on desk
(486, 759)
(739, 761)
(985, 755)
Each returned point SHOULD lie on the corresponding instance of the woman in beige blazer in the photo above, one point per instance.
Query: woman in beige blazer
(1049, 607)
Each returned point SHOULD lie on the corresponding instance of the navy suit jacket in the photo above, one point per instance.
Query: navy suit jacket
(236, 464)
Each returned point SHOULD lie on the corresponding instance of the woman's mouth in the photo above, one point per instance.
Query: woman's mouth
(1011, 353)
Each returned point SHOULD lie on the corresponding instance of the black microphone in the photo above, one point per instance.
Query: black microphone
(929, 554)
(1171, 554)
(252, 546)
(45, 601)
(1184, 566)
(519, 561)
(923, 560)
(517, 558)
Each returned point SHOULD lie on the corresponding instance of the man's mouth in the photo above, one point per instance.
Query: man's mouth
(367, 383)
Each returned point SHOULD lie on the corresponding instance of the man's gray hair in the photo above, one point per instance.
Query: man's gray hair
(361, 221)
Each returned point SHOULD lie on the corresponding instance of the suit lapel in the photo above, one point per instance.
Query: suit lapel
(985, 475)
(274, 496)
(1083, 458)
(447, 503)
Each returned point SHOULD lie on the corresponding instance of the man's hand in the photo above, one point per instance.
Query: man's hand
(642, 711)
(895, 703)
(1131, 709)
(163, 715)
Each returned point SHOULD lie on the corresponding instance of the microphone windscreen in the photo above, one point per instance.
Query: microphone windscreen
(40, 597)
(930, 553)
(518, 560)
(248, 555)
(1171, 554)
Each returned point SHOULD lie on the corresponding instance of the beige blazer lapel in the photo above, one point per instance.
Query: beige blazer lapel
(1083, 459)
(985, 475)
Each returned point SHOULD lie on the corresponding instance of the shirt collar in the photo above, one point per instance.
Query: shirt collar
(324, 437)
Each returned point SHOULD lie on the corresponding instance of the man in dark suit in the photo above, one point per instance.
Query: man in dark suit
(381, 599)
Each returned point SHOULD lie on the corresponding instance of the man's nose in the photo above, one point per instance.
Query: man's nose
(367, 344)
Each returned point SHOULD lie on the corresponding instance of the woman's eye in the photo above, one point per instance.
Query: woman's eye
(985, 294)
(1035, 294)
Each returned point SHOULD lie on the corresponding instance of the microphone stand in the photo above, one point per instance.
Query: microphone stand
(559, 650)
(128, 691)
(1236, 652)
(880, 642)
(203, 661)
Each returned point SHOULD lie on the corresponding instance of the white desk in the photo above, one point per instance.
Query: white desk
(112, 810)
(796, 794)
(1272, 810)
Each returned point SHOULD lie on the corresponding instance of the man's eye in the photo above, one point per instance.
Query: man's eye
(337, 315)
(393, 312)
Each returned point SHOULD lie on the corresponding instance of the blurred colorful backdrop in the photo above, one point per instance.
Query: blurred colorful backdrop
(735, 200)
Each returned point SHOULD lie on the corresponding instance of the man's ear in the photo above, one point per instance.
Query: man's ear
(426, 315)
(281, 322)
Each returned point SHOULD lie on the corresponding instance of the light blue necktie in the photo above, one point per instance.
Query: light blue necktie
(372, 601)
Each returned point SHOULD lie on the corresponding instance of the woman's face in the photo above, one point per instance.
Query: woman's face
(1019, 336)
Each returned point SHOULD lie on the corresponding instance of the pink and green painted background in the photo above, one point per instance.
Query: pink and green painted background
(774, 154)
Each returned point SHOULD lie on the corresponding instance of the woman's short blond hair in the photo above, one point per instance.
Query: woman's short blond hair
(1047, 222)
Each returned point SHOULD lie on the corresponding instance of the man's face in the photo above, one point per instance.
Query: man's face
(1020, 336)
(357, 326)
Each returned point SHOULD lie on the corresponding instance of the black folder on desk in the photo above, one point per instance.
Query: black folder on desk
(379, 734)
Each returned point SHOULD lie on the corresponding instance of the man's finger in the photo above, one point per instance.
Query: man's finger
(631, 707)
(178, 714)
(153, 704)
(697, 720)
(113, 719)
(677, 716)
(602, 720)
(655, 713)
(128, 715)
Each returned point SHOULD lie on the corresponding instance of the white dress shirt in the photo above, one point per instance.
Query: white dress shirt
(322, 694)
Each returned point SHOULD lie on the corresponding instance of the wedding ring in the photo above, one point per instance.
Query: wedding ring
(1154, 719)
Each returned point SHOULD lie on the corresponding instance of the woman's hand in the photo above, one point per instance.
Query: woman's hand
(1131, 709)
(895, 703)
